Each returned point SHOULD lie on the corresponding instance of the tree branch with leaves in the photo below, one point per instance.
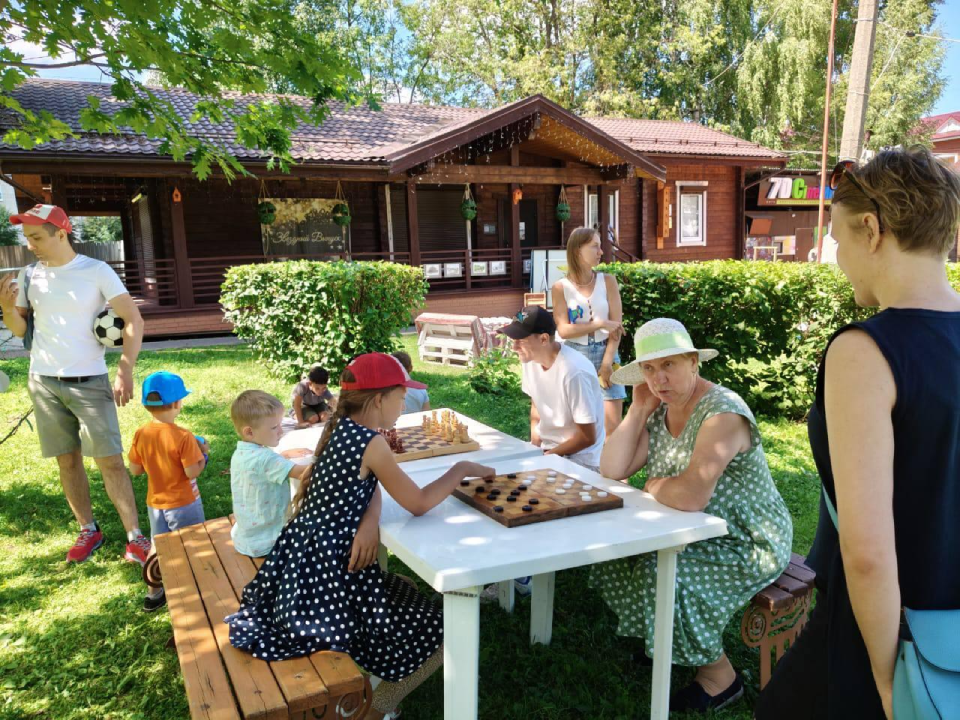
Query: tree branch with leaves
(203, 46)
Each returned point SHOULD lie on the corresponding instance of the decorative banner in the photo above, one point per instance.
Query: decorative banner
(303, 226)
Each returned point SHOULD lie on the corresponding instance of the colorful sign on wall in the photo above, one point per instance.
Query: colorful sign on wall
(792, 191)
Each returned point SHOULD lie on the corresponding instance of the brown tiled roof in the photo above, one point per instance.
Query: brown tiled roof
(349, 134)
(669, 137)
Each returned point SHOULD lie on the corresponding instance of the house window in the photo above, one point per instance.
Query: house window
(691, 213)
(592, 202)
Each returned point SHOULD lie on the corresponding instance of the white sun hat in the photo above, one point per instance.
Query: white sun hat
(656, 339)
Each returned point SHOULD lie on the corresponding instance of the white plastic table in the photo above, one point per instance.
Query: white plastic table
(494, 445)
(458, 550)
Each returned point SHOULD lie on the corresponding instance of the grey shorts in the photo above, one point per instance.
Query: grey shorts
(71, 415)
(164, 521)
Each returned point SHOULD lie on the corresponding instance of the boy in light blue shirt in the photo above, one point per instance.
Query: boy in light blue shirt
(259, 476)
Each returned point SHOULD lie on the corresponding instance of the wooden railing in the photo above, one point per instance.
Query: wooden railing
(208, 274)
(152, 283)
(467, 269)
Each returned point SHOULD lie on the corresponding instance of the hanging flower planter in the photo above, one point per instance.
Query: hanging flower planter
(341, 214)
(267, 212)
(468, 208)
(341, 211)
(563, 207)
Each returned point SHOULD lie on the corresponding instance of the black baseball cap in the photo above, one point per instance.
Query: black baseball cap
(532, 320)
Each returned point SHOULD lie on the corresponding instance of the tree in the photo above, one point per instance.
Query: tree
(101, 230)
(204, 46)
(8, 233)
(782, 82)
(755, 68)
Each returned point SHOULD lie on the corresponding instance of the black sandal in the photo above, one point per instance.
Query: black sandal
(693, 698)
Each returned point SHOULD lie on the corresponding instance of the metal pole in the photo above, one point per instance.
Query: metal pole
(826, 131)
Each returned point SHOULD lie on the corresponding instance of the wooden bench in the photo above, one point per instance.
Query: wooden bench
(203, 578)
(777, 614)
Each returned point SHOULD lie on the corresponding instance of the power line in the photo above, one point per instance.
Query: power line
(911, 33)
(733, 62)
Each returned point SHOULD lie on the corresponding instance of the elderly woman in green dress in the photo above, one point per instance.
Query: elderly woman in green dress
(702, 450)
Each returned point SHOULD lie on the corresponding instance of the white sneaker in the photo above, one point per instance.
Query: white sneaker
(522, 586)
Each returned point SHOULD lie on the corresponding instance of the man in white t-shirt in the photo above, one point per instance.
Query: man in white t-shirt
(566, 403)
(74, 404)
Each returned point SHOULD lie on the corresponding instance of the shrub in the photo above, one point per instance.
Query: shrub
(769, 321)
(302, 312)
(494, 373)
(9, 236)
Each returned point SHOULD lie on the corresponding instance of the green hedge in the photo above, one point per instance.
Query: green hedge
(770, 321)
(303, 312)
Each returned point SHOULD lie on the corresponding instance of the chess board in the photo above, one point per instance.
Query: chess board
(543, 489)
(418, 444)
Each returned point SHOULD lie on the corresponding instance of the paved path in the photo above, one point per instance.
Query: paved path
(12, 347)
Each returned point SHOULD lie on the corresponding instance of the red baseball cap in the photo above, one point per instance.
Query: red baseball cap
(376, 370)
(41, 214)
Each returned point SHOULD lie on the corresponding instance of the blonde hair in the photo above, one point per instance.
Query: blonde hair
(350, 403)
(252, 406)
(918, 196)
(578, 238)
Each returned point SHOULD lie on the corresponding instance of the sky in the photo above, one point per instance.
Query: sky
(948, 21)
(949, 16)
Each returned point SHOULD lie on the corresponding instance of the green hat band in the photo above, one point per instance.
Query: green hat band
(663, 341)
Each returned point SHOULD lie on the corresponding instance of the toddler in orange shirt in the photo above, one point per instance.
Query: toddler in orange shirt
(172, 458)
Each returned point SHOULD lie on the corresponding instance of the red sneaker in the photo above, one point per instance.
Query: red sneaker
(83, 548)
(138, 550)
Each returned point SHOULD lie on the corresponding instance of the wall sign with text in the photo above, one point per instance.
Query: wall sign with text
(803, 190)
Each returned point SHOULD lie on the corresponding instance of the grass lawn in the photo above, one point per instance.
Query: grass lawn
(74, 642)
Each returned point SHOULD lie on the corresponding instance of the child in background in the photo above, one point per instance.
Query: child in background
(321, 588)
(311, 401)
(259, 476)
(172, 457)
(416, 399)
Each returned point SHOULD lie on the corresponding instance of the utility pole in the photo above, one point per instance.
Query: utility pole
(826, 131)
(858, 95)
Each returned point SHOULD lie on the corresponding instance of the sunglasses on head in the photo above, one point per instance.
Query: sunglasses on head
(846, 168)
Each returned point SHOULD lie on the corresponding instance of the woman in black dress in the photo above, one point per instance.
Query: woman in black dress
(319, 589)
(885, 435)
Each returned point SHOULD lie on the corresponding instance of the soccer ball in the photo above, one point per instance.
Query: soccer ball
(108, 327)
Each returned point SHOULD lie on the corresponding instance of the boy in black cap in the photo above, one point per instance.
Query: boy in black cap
(566, 405)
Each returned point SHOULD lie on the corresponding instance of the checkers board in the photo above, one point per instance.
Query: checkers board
(419, 444)
(541, 496)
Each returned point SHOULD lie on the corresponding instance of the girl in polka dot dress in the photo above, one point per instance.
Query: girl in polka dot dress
(320, 589)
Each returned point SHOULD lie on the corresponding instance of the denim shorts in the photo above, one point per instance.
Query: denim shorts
(594, 351)
(164, 521)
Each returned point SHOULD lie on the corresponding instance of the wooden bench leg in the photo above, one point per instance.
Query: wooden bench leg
(351, 706)
(773, 631)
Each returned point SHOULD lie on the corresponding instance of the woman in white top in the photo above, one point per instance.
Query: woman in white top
(589, 316)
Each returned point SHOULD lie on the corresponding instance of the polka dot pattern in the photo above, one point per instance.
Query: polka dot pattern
(714, 577)
(303, 599)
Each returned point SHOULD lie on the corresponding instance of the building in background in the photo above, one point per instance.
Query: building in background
(664, 191)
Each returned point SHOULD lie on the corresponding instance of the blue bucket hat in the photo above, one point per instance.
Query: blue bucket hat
(167, 385)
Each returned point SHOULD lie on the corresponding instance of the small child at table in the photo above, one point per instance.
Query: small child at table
(416, 399)
(311, 400)
(259, 476)
(321, 588)
(173, 458)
